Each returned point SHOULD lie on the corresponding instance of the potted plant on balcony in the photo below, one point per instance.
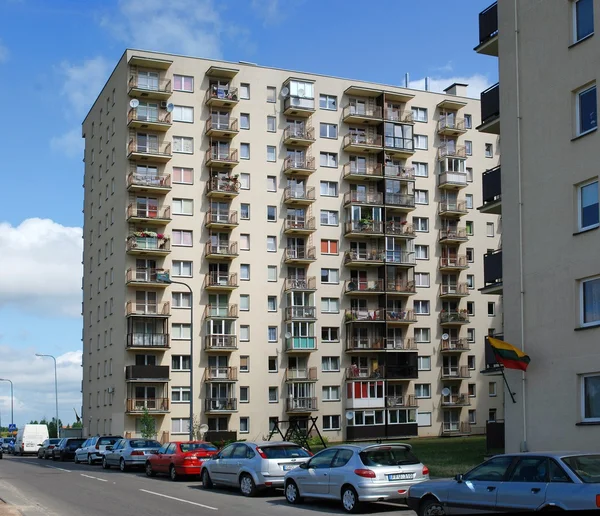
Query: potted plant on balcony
(350, 316)
(365, 223)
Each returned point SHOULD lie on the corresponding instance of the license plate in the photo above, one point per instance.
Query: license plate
(287, 467)
(401, 476)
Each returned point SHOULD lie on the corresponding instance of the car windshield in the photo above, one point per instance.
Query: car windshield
(186, 447)
(388, 456)
(286, 451)
(144, 443)
(76, 443)
(54, 441)
(586, 467)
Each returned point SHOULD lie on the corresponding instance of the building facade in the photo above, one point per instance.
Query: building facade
(547, 269)
(328, 231)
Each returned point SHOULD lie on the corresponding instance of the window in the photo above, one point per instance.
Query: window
(421, 169)
(244, 333)
(271, 303)
(590, 301)
(471, 362)
(244, 151)
(589, 212)
(424, 363)
(271, 184)
(244, 121)
(244, 91)
(272, 213)
(245, 242)
(421, 307)
(273, 395)
(489, 226)
(244, 394)
(244, 181)
(271, 124)
(180, 425)
(183, 175)
(180, 394)
(492, 415)
(330, 276)
(470, 254)
(183, 83)
(272, 333)
(491, 308)
(244, 302)
(471, 308)
(181, 268)
(331, 422)
(331, 393)
(328, 102)
(469, 201)
(272, 364)
(330, 305)
(423, 418)
(469, 147)
(244, 364)
(245, 271)
(271, 93)
(329, 218)
(330, 334)
(422, 279)
(181, 300)
(422, 335)
(472, 390)
(329, 364)
(421, 252)
(492, 389)
(590, 405)
(183, 114)
(470, 281)
(328, 130)
(421, 224)
(183, 207)
(329, 188)
(271, 244)
(468, 122)
(419, 114)
(180, 331)
(421, 142)
(182, 238)
(470, 334)
(244, 211)
(469, 174)
(583, 19)
(469, 227)
(422, 390)
(328, 159)
(271, 272)
(329, 247)
(472, 417)
(244, 425)
(271, 153)
(489, 150)
(183, 144)
(421, 197)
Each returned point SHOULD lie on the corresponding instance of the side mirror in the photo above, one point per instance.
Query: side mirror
(304, 465)
(459, 478)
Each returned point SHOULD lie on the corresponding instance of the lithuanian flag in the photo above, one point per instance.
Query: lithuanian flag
(509, 356)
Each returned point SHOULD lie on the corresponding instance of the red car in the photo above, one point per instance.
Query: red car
(180, 459)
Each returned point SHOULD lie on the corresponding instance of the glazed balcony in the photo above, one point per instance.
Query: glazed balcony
(299, 196)
(222, 126)
(400, 317)
(221, 219)
(367, 344)
(220, 282)
(399, 202)
(298, 106)
(220, 343)
(401, 288)
(456, 400)
(148, 245)
(455, 372)
(492, 273)
(223, 252)
(451, 126)
(307, 284)
(454, 291)
(134, 309)
(352, 114)
(367, 172)
(148, 216)
(490, 110)
(492, 192)
(308, 374)
(139, 182)
(488, 31)
(400, 372)
(152, 405)
(301, 344)
(220, 374)
(141, 341)
(301, 313)
(221, 159)
(452, 209)
(301, 404)
(299, 136)
(454, 318)
(364, 258)
(145, 277)
(398, 172)
(221, 312)
(222, 188)
(456, 428)
(220, 405)
(454, 263)
(364, 287)
(400, 258)
(141, 118)
(364, 316)
(142, 150)
(451, 150)
(405, 401)
(363, 198)
(453, 235)
(147, 373)
(400, 229)
(453, 180)
(359, 142)
(456, 345)
(398, 147)
(363, 228)
(299, 227)
(299, 166)
(300, 255)
(142, 88)
(221, 97)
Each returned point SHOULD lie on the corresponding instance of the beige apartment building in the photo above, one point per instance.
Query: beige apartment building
(328, 230)
(547, 270)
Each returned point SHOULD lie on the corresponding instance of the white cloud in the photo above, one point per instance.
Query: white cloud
(42, 267)
(69, 143)
(83, 82)
(3, 53)
(268, 10)
(477, 83)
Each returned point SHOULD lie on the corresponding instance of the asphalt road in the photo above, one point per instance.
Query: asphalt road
(42, 487)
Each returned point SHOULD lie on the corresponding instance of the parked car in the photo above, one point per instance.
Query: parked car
(10, 448)
(91, 450)
(65, 450)
(180, 459)
(127, 453)
(253, 466)
(29, 438)
(356, 473)
(515, 482)
(6, 442)
(45, 451)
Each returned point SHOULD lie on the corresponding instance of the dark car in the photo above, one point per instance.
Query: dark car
(45, 451)
(65, 450)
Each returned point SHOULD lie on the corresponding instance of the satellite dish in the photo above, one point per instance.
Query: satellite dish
(134, 103)
(203, 430)
(285, 92)
(288, 335)
(170, 107)
(301, 92)
(349, 415)
(446, 391)
(445, 336)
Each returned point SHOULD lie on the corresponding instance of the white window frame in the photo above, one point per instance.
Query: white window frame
(424, 363)
(470, 334)
(489, 229)
(329, 389)
(246, 398)
(245, 211)
(422, 247)
(333, 218)
(272, 209)
(245, 238)
(470, 281)
(180, 391)
(183, 77)
(423, 385)
(274, 360)
(468, 121)
(582, 302)
(244, 181)
(269, 329)
(330, 363)
(329, 302)
(419, 114)
(469, 201)
(271, 303)
(271, 244)
(420, 166)
(427, 332)
(184, 331)
(329, 334)
(418, 224)
(575, 19)
(244, 333)
(179, 300)
(271, 94)
(182, 232)
(275, 389)
(246, 423)
(423, 276)
(180, 264)
(271, 128)
(245, 116)
(329, 128)
(580, 204)
(270, 275)
(328, 423)
(181, 171)
(271, 153)
(330, 186)
(271, 183)
(183, 114)
(244, 91)
(182, 428)
(329, 272)
(492, 389)
(492, 304)
(421, 197)
(328, 159)
(178, 206)
(243, 155)
(489, 150)
(424, 142)
(245, 305)
(419, 304)
(328, 99)
(245, 267)
(181, 142)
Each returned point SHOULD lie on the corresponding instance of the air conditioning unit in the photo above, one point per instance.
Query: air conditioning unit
(163, 104)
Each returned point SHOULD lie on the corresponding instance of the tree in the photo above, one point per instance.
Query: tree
(77, 424)
(148, 425)
(52, 427)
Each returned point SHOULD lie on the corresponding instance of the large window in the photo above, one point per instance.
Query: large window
(590, 398)
(586, 110)
(590, 301)
(328, 102)
(180, 425)
(183, 114)
(583, 19)
(182, 238)
(181, 268)
(589, 212)
(183, 144)
(183, 83)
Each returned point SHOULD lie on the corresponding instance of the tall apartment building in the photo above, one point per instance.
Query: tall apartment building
(548, 269)
(329, 232)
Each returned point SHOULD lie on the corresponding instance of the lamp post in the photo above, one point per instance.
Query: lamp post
(12, 399)
(55, 389)
(163, 277)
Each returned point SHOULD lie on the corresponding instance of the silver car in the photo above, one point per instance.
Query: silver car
(515, 482)
(253, 466)
(356, 473)
(92, 450)
(127, 453)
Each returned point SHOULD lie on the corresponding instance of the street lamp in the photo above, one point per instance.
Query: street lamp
(163, 277)
(12, 399)
(55, 389)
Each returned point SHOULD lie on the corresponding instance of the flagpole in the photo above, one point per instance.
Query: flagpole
(512, 396)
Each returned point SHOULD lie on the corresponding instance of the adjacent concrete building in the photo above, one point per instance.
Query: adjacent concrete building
(328, 230)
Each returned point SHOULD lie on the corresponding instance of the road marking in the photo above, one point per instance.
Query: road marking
(180, 500)
(95, 478)
(59, 469)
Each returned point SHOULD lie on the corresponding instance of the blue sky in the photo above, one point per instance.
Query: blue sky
(54, 58)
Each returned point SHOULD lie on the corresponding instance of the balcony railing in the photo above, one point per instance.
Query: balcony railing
(364, 226)
(148, 340)
(223, 185)
(224, 94)
(492, 269)
(492, 186)
(161, 116)
(300, 312)
(364, 255)
(400, 200)
(220, 404)
(226, 249)
(147, 372)
(135, 212)
(452, 123)
(309, 283)
(159, 149)
(307, 374)
(397, 115)
(300, 404)
(455, 345)
(301, 225)
(148, 180)
(360, 315)
(454, 233)
(364, 286)
(372, 343)
(456, 372)
(160, 86)
(352, 111)
(452, 150)
(454, 317)
(299, 163)
(400, 257)
(298, 193)
(407, 400)
(454, 262)
(398, 172)
(354, 371)
(220, 342)
(355, 197)
(219, 156)
(400, 229)
(488, 23)
(213, 373)
(362, 139)
(449, 207)
(459, 400)
(152, 405)
(367, 170)
(222, 123)
(401, 344)
(458, 289)
(490, 103)
(144, 275)
(214, 279)
(228, 218)
(453, 179)
(401, 316)
(401, 287)
(298, 132)
(148, 243)
(456, 427)
(158, 309)
(301, 344)
(300, 253)
(221, 311)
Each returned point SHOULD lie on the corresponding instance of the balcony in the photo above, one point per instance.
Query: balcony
(456, 428)
(221, 97)
(400, 317)
(299, 166)
(360, 142)
(452, 209)
(360, 114)
(354, 372)
(300, 404)
(222, 126)
(400, 258)
(139, 182)
(398, 172)
(455, 372)
(223, 252)
(363, 345)
(405, 401)
(220, 374)
(301, 284)
(143, 118)
(454, 263)
(147, 373)
(145, 88)
(492, 273)
(454, 318)
(141, 341)
(298, 106)
(451, 150)
(374, 402)
(220, 405)
(400, 372)
(450, 125)
(143, 150)
(364, 258)
(220, 282)
(299, 227)
(362, 315)
(453, 235)
(398, 115)
(134, 309)
(300, 255)
(300, 313)
(490, 110)
(299, 136)
(221, 312)
(456, 400)
(220, 343)
(150, 245)
(454, 346)
(152, 405)
(221, 159)
(300, 344)
(363, 228)
(401, 345)
(364, 287)
(399, 202)
(453, 180)
(488, 31)
(366, 172)
(221, 220)
(299, 196)
(400, 229)
(222, 187)
(398, 147)
(149, 216)
(363, 198)
(454, 291)
(400, 288)
(308, 374)
(492, 192)
(145, 277)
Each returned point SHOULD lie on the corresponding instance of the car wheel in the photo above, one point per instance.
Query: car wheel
(247, 486)
(149, 470)
(350, 499)
(105, 464)
(206, 480)
(62, 457)
(75, 459)
(292, 495)
(122, 465)
(90, 460)
(173, 474)
(431, 507)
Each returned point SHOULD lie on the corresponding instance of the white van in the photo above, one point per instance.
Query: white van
(29, 438)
